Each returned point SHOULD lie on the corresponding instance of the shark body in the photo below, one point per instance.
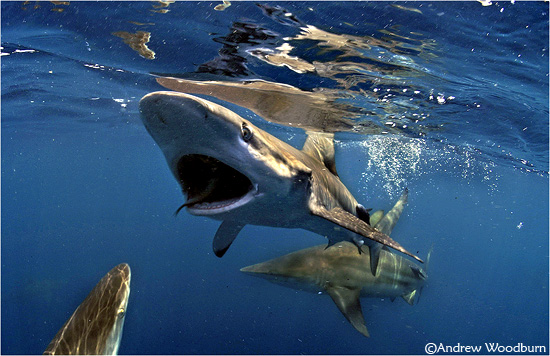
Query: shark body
(232, 171)
(95, 327)
(346, 275)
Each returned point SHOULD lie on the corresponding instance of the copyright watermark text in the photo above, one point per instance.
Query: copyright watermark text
(433, 348)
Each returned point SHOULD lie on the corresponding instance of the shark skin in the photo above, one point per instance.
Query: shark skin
(95, 328)
(346, 275)
(232, 171)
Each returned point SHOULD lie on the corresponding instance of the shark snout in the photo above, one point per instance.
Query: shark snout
(170, 110)
(189, 120)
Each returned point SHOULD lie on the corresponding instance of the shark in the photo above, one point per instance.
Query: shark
(345, 275)
(95, 327)
(232, 171)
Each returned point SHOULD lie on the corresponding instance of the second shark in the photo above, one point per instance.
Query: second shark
(345, 275)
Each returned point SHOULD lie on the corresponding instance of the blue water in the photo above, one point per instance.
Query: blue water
(84, 187)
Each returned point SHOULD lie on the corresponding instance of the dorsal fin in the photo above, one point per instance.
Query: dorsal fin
(386, 224)
(320, 145)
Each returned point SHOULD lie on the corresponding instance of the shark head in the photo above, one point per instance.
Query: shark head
(95, 328)
(223, 162)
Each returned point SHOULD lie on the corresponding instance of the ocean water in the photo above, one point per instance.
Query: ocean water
(456, 98)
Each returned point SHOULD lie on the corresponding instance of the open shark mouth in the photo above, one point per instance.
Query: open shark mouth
(211, 186)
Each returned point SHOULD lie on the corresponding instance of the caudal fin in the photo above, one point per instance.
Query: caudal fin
(409, 297)
(420, 274)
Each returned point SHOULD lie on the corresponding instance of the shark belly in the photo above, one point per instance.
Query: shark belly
(263, 211)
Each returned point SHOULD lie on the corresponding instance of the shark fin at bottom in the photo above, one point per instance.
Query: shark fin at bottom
(347, 300)
(226, 234)
(409, 297)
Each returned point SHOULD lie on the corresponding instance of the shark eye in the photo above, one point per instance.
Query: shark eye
(246, 133)
(120, 312)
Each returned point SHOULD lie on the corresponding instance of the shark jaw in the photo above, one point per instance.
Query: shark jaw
(212, 187)
(218, 158)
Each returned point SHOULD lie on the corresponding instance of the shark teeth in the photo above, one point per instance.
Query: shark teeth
(212, 208)
(215, 205)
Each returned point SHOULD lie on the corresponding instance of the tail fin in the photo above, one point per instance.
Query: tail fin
(385, 224)
(428, 257)
(409, 298)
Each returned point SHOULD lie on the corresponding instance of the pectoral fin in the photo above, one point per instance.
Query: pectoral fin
(409, 297)
(347, 300)
(227, 232)
(349, 221)
(320, 145)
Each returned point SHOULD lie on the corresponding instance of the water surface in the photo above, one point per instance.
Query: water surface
(455, 99)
